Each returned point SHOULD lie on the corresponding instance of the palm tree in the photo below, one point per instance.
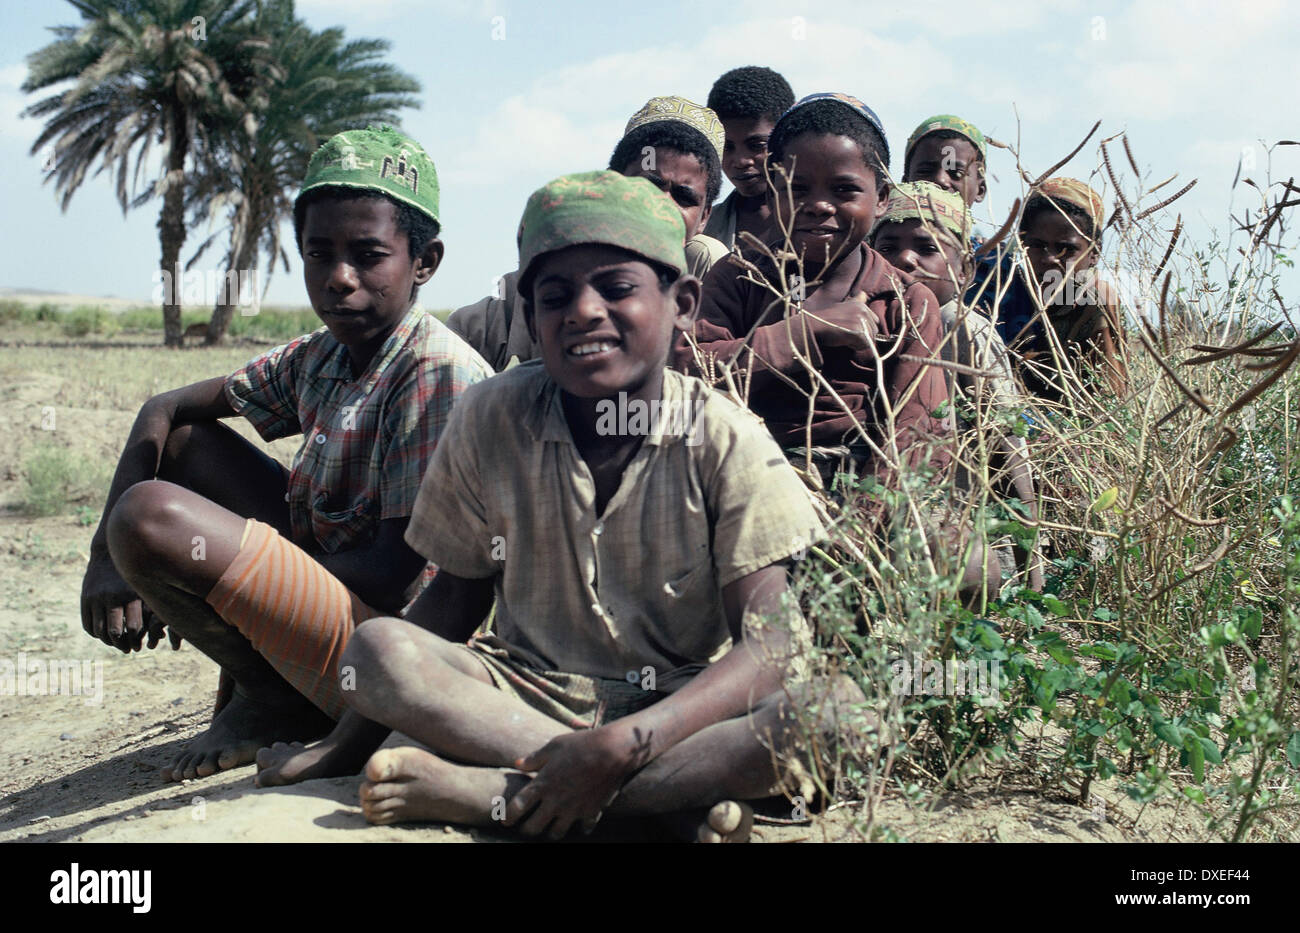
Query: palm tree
(146, 72)
(323, 86)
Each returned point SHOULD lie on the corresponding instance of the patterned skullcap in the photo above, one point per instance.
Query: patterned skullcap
(945, 211)
(857, 106)
(680, 110)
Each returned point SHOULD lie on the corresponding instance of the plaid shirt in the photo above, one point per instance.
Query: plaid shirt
(367, 439)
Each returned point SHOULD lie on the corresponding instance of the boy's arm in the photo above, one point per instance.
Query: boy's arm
(108, 604)
(452, 607)
(1109, 353)
(721, 332)
(579, 774)
(482, 326)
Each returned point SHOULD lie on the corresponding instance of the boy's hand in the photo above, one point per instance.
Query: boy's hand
(112, 612)
(849, 324)
(576, 776)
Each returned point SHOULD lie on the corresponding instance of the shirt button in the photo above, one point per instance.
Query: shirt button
(320, 438)
(286, 497)
(600, 526)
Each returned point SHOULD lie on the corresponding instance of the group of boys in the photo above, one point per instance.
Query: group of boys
(498, 608)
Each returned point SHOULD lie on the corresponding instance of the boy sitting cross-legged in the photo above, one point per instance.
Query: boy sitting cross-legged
(635, 563)
(267, 570)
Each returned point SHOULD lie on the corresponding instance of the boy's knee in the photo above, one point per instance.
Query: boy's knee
(371, 650)
(823, 717)
(144, 523)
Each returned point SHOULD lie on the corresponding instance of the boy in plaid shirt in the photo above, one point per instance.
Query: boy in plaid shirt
(266, 570)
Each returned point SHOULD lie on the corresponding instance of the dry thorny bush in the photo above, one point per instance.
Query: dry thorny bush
(1162, 650)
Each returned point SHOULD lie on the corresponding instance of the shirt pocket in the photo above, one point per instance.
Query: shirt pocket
(340, 529)
(694, 582)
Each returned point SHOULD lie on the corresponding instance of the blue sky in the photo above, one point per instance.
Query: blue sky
(1196, 86)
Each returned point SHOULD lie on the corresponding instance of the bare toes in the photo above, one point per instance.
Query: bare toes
(382, 766)
(727, 821)
(229, 758)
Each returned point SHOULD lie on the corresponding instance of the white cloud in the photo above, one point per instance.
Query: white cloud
(13, 127)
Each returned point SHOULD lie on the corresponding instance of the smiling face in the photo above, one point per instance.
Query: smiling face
(744, 154)
(835, 193)
(952, 164)
(683, 178)
(910, 247)
(360, 277)
(602, 321)
(1055, 247)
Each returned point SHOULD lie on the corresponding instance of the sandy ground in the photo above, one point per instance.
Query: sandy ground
(87, 767)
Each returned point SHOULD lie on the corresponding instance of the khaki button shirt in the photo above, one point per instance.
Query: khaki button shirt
(706, 500)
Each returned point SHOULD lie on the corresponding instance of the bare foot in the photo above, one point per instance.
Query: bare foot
(291, 762)
(727, 821)
(242, 727)
(225, 692)
(405, 785)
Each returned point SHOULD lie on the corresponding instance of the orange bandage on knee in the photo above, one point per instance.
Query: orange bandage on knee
(295, 612)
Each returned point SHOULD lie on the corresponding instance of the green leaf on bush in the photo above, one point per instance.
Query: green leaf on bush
(1293, 750)
(1212, 754)
(1105, 501)
(1168, 732)
(1103, 651)
(1056, 607)
(1061, 655)
(989, 637)
(1196, 758)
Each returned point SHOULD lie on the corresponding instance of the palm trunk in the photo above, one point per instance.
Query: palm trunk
(171, 227)
(244, 269)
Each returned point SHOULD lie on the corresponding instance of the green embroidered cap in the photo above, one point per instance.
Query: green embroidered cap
(601, 207)
(378, 158)
(946, 121)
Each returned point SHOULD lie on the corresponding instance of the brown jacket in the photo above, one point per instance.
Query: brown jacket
(744, 324)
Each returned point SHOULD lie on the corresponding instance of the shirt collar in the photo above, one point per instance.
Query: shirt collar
(338, 364)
